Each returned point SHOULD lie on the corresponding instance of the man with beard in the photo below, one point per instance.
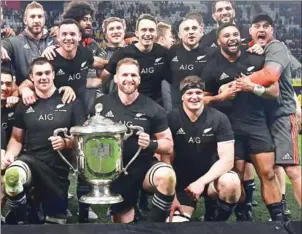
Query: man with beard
(186, 58)
(30, 44)
(203, 155)
(71, 65)
(253, 141)
(132, 108)
(281, 112)
(114, 29)
(153, 58)
(39, 166)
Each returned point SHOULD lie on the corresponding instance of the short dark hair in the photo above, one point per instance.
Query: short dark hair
(38, 61)
(191, 80)
(223, 26)
(6, 68)
(216, 1)
(196, 16)
(69, 21)
(145, 17)
(77, 11)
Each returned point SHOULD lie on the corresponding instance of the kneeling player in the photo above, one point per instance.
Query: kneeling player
(39, 170)
(130, 107)
(204, 156)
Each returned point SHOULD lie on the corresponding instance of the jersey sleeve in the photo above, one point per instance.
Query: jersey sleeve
(159, 122)
(19, 116)
(116, 57)
(90, 57)
(224, 129)
(277, 52)
(78, 114)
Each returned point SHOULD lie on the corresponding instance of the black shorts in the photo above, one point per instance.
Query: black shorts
(129, 186)
(253, 142)
(48, 181)
(285, 137)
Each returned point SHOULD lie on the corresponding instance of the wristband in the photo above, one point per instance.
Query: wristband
(153, 145)
(259, 90)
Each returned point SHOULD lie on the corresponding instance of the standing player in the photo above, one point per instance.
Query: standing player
(30, 44)
(71, 65)
(152, 58)
(40, 166)
(246, 111)
(186, 58)
(130, 107)
(114, 29)
(203, 155)
(281, 111)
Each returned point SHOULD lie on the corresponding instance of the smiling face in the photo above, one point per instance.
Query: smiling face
(115, 32)
(69, 37)
(6, 86)
(146, 32)
(224, 12)
(42, 76)
(127, 78)
(193, 99)
(229, 40)
(262, 32)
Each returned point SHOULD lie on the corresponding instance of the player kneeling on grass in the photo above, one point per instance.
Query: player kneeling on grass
(204, 156)
(39, 171)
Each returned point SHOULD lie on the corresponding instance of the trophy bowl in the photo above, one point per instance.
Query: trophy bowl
(99, 145)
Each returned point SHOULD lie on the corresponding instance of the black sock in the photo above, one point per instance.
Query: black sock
(224, 210)
(210, 209)
(161, 205)
(249, 188)
(143, 199)
(239, 211)
(82, 189)
(17, 206)
(275, 211)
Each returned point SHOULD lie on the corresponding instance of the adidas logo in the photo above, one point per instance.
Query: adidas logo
(60, 72)
(26, 46)
(207, 130)
(287, 157)
(175, 59)
(223, 76)
(109, 114)
(180, 132)
(158, 59)
(83, 64)
(249, 69)
(213, 45)
(29, 110)
(200, 57)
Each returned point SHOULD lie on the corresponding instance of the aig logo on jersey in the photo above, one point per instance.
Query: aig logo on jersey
(140, 116)
(149, 70)
(76, 76)
(45, 117)
(158, 61)
(186, 67)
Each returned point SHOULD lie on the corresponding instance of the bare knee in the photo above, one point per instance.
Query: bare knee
(293, 172)
(229, 183)
(268, 174)
(165, 179)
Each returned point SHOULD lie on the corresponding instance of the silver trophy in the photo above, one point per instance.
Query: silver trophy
(99, 146)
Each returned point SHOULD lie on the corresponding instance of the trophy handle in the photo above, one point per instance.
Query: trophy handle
(132, 128)
(56, 133)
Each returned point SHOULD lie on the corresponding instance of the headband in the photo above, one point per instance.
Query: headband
(191, 86)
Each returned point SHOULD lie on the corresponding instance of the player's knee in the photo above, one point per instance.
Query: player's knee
(165, 177)
(293, 172)
(229, 183)
(268, 174)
